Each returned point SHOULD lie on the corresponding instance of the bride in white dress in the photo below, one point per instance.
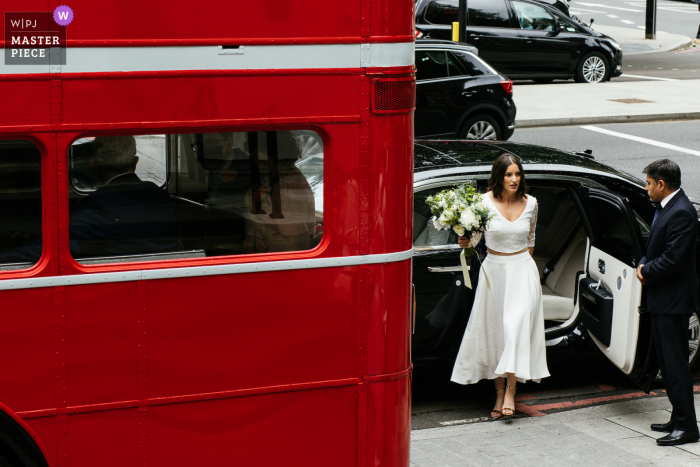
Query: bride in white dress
(504, 339)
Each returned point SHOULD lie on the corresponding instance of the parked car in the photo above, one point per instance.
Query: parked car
(591, 231)
(526, 39)
(460, 95)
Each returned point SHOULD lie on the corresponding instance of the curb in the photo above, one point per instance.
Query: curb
(548, 122)
(680, 44)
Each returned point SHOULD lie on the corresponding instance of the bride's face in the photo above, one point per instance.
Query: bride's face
(511, 180)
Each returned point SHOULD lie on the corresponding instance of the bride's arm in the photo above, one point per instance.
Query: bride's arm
(533, 226)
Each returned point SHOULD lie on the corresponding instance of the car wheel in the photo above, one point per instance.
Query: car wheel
(481, 126)
(593, 68)
(693, 341)
(543, 80)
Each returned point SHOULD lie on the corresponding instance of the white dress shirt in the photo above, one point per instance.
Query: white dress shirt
(665, 201)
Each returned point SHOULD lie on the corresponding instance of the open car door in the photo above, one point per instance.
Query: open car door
(611, 297)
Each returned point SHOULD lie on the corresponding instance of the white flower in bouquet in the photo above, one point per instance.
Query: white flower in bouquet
(459, 230)
(468, 219)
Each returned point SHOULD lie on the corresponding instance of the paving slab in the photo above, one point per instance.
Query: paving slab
(613, 435)
(567, 103)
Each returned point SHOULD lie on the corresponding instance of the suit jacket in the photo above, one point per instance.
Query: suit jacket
(126, 217)
(669, 264)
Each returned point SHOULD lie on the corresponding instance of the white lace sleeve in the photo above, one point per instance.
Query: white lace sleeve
(533, 226)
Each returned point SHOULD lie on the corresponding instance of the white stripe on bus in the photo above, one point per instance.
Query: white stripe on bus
(200, 271)
(249, 57)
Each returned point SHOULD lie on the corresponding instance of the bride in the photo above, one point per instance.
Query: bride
(504, 339)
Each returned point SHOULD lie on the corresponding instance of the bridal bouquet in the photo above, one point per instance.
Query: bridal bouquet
(461, 210)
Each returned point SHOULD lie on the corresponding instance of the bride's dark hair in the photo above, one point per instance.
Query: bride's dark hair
(498, 172)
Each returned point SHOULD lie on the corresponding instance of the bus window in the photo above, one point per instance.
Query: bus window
(20, 204)
(223, 193)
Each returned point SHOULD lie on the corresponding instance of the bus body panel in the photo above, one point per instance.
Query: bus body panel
(27, 102)
(303, 367)
(198, 100)
(389, 423)
(389, 324)
(391, 200)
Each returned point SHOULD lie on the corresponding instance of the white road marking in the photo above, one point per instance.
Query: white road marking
(641, 27)
(649, 77)
(578, 11)
(626, 21)
(611, 7)
(641, 140)
(613, 16)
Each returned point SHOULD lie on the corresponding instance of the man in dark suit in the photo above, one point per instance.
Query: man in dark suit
(668, 270)
(126, 216)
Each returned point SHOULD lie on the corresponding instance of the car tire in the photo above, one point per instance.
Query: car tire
(481, 126)
(693, 342)
(593, 68)
(543, 80)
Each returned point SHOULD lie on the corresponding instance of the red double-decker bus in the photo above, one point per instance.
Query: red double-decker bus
(205, 235)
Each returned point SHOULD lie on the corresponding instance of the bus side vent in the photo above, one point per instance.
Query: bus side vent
(393, 95)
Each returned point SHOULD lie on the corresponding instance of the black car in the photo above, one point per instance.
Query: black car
(459, 95)
(526, 39)
(590, 236)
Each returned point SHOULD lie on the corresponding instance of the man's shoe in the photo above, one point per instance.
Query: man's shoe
(678, 437)
(663, 427)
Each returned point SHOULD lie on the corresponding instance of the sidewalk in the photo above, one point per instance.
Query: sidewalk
(566, 103)
(632, 41)
(605, 435)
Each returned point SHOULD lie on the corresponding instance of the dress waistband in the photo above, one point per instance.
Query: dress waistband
(508, 259)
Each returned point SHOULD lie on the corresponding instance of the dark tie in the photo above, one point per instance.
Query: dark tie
(656, 214)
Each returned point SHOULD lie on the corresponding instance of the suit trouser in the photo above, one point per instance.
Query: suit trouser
(671, 341)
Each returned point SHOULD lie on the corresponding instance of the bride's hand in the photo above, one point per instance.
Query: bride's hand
(463, 242)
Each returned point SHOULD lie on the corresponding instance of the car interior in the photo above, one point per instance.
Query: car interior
(560, 250)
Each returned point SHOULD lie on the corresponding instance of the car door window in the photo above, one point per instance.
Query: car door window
(615, 234)
(533, 17)
(488, 13)
(442, 12)
(425, 234)
(455, 67)
(431, 65)
(471, 64)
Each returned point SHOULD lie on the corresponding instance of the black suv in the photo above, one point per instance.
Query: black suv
(526, 39)
(459, 95)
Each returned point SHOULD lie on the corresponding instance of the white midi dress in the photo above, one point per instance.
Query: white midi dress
(505, 333)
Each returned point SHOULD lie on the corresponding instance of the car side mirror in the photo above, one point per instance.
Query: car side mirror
(557, 27)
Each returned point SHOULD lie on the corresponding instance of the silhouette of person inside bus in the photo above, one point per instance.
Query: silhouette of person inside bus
(125, 216)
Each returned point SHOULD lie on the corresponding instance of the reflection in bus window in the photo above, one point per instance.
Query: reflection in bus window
(152, 167)
(223, 193)
(20, 204)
